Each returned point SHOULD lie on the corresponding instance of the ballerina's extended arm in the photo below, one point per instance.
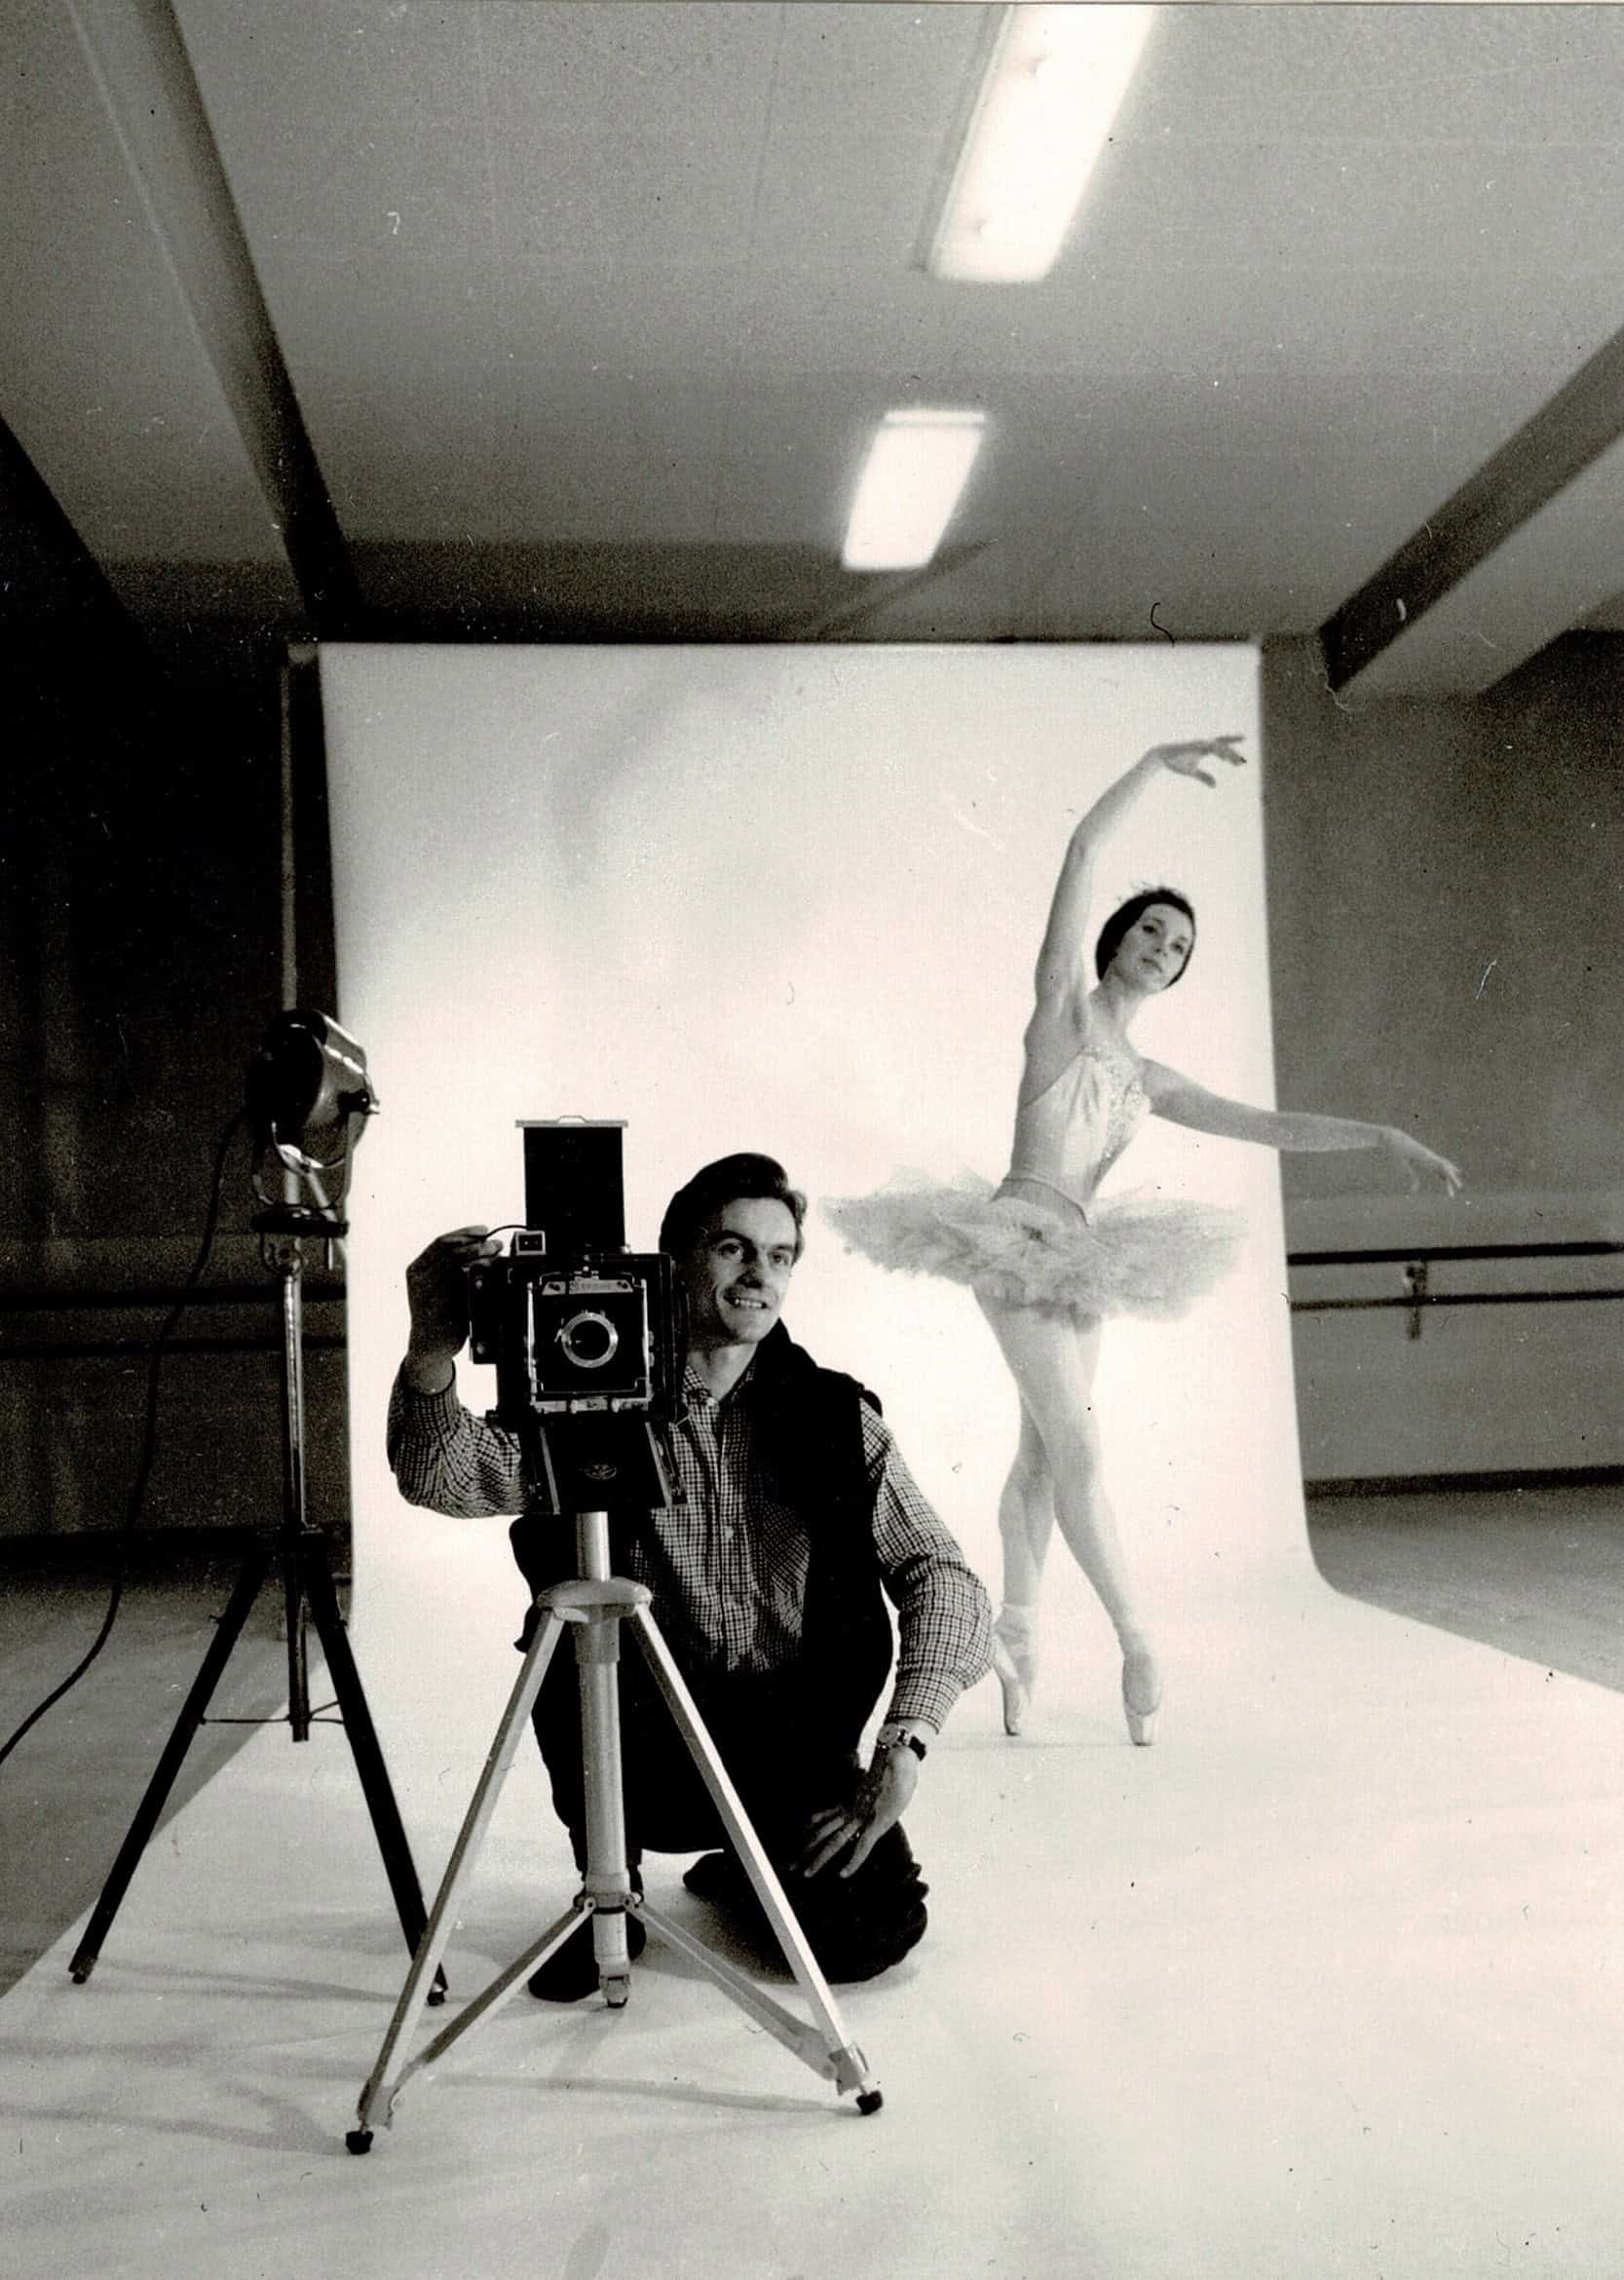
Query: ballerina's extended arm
(1059, 958)
(1292, 1130)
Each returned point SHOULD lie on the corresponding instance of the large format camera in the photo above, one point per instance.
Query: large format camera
(587, 1337)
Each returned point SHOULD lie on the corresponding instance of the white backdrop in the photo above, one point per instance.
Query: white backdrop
(789, 899)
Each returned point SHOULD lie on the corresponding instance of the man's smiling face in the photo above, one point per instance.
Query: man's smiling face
(737, 1273)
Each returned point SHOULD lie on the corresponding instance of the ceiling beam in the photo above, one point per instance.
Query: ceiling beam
(144, 79)
(1560, 443)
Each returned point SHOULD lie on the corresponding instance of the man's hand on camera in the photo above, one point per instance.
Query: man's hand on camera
(880, 1799)
(437, 1292)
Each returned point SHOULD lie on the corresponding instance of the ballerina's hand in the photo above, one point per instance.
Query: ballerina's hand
(1185, 759)
(1416, 1159)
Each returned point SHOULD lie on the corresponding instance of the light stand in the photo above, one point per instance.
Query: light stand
(309, 1080)
(596, 1604)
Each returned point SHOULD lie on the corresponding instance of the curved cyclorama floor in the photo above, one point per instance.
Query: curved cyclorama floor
(1327, 1983)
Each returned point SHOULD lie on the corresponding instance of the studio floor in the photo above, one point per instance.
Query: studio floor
(1329, 1982)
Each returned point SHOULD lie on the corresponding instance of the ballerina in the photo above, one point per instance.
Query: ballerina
(1048, 1259)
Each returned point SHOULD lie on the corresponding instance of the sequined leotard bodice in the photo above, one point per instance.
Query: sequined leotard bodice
(1042, 1239)
(1070, 1134)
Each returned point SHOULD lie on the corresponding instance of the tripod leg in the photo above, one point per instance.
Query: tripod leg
(364, 1746)
(386, 2078)
(842, 2059)
(255, 1564)
(601, 1602)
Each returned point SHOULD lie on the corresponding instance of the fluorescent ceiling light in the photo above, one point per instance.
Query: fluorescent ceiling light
(1050, 94)
(917, 466)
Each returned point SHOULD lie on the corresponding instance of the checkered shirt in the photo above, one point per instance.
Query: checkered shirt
(728, 1566)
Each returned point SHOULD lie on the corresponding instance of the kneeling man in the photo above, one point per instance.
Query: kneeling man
(796, 1519)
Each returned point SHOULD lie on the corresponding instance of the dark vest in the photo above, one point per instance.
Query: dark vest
(808, 1454)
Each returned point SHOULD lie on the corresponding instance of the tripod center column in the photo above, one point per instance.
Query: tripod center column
(598, 1647)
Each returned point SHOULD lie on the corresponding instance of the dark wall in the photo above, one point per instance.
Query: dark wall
(1446, 902)
(140, 916)
(1445, 899)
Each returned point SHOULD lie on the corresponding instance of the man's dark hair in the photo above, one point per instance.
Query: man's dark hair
(730, 1180)
(1129, 915)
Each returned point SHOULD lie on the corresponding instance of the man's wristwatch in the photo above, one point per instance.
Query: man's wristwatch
(901, 1738)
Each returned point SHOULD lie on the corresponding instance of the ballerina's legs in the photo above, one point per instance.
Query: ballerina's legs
(1048, 1259)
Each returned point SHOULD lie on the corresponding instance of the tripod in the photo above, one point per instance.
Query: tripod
(596, 1604)
(307, 1593)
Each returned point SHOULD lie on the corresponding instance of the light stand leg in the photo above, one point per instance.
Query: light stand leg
(364, 1746)
(307, 1590)
(256, 1561)
(290, 1272)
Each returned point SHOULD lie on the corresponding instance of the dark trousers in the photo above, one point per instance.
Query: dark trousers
(784, 1772)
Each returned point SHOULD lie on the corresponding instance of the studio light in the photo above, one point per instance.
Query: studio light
(1052, 92)
(916, 470)
(309, 1098)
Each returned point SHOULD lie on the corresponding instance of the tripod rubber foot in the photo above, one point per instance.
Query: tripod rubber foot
(358, 2140)
(870, 2101)
(435, 1996)
(80, 1972)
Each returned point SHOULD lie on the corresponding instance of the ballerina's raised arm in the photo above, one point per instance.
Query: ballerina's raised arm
(1061, 981)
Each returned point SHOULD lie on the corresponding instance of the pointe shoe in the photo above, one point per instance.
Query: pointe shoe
(1141, 1695)
(1015, 1663)
(1017, 1696)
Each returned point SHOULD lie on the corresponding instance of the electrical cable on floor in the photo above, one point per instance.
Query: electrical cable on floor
(149, 1440)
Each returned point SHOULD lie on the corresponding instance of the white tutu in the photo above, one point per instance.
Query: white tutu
(1134, 1253)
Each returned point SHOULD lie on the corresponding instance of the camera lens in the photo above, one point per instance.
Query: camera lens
(589, 1339)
